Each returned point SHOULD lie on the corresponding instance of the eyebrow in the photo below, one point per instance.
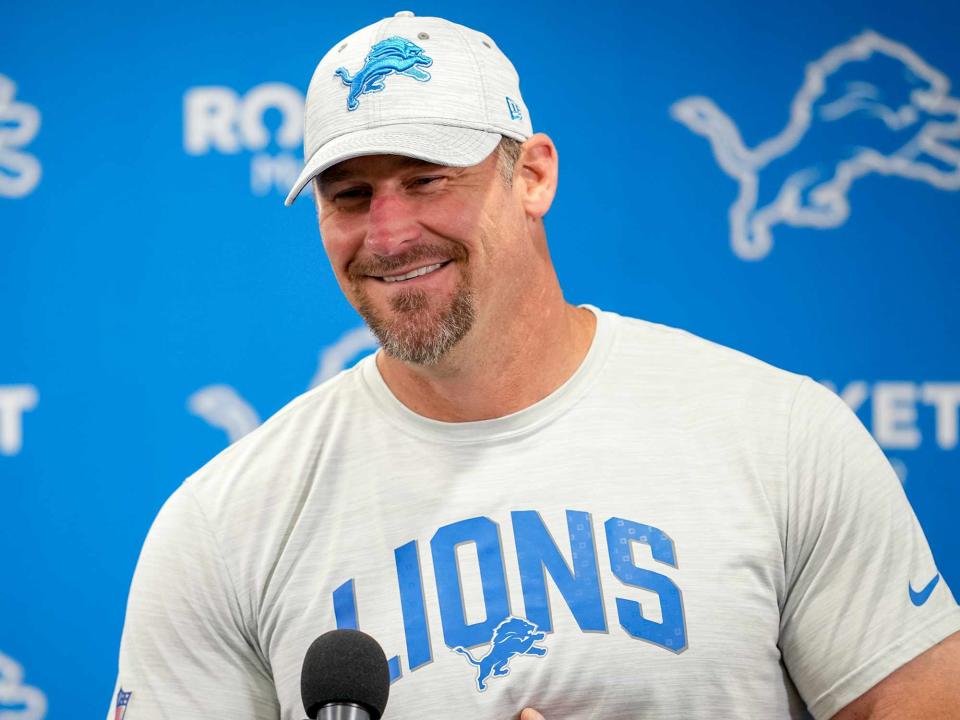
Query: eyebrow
(338, 173)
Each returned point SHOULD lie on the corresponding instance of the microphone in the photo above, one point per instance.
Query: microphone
(345, 676)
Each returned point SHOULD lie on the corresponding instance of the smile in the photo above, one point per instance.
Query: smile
(425, 270)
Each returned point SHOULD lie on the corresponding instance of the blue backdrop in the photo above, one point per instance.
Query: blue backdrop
(779, 177)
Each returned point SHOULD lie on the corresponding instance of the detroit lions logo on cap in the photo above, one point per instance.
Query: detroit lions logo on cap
(393, 55)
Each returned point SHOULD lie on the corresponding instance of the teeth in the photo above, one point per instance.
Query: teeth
(412, 274)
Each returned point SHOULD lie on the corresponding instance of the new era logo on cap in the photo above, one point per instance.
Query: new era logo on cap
(372, 94)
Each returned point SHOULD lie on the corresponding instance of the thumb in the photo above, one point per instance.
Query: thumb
(530, 714)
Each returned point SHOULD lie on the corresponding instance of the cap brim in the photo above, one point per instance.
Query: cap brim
(440, 144)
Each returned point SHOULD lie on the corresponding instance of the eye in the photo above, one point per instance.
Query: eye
(427, 180)
(352, 193)
(352, 197)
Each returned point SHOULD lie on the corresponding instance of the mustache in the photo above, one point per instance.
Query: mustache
(386, 264)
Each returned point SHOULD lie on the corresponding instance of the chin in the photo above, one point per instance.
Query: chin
(414, 332)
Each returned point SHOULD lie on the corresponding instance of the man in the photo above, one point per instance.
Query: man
(529, 504)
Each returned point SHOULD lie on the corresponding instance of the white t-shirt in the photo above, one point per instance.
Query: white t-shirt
(679, 531)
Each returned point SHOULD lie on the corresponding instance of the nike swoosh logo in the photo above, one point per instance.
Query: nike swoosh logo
(919, 598)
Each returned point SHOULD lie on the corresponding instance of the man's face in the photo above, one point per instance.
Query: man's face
(414, 245)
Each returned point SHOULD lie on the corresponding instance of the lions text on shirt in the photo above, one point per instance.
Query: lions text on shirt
(679, 531)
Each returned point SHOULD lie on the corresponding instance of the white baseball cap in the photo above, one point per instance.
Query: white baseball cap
(421, 87)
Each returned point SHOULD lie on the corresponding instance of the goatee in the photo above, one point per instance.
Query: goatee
(416, 331)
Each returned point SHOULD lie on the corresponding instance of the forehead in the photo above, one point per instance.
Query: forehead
(371, 165)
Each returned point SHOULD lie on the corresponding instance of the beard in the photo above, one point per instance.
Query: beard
(420, 328)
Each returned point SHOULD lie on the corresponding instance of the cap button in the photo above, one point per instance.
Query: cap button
(404, 13)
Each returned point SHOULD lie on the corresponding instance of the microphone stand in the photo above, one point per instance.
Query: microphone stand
(343, 711)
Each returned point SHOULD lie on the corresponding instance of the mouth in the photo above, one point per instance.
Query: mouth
(412, 274)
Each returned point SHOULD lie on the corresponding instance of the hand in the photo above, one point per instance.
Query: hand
(530, 714)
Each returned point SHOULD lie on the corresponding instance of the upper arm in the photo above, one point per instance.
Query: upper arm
(186, 651)
(924, 688)
(853, 550)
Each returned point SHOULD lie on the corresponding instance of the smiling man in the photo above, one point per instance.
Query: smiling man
(531, 505)
(414, 292)
(449, 267)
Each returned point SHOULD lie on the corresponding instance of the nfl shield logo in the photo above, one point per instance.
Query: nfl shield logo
(122, 699)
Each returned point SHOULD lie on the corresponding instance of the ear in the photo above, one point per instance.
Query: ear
(536, 175)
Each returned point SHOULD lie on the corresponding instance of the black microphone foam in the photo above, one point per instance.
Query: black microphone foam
(345, 666)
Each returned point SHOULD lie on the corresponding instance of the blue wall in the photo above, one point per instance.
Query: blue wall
(158, 299)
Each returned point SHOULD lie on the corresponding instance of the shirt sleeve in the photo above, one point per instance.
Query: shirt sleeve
(863, 592)
(185, 651)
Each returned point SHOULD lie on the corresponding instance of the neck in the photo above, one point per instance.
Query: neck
(501, 367)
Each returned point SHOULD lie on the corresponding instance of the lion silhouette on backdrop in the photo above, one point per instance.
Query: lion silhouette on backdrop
(868, 106)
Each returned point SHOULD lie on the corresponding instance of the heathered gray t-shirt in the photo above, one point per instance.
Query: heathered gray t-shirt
(679, 531)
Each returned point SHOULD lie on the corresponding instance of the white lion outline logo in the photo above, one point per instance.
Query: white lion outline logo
(921, 120)
(16, 699)
(224, 408)
(19, 124)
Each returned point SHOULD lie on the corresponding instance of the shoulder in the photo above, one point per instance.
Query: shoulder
(274, 461)
(220, 533)
(692, 367)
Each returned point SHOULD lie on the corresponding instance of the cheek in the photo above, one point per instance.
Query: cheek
(340, 245)
(508, 251)
(485, 226)
(449, 219)
(500, 231)
(339, 256)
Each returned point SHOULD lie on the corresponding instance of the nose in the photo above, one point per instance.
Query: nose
(391, 223)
